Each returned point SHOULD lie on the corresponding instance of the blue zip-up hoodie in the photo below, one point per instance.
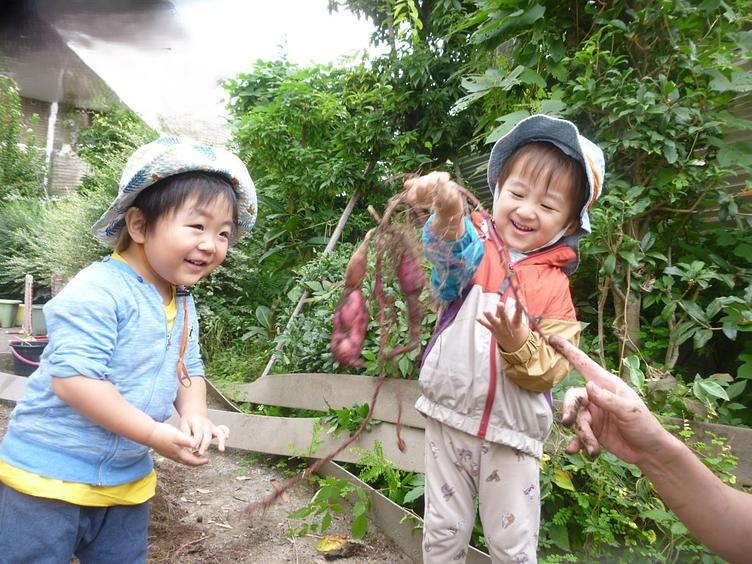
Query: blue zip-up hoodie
(109, 325)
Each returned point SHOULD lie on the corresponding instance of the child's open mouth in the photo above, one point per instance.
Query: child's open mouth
(522, 227)
(199, 263)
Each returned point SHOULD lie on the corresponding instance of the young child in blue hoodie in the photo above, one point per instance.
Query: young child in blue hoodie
(76, 471)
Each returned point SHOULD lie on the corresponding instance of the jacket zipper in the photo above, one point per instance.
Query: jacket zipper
(491, 393)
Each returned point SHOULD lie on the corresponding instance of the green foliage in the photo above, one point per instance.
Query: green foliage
(57, 242)
(53, 237)
(328, 500)
(108, 142)
(401, 487)
(606, 509)
(22, 165)
(349, 419)
(15, 215)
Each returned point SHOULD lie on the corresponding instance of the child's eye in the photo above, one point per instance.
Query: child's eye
(197, 226)
(548, 208)
(225, 234)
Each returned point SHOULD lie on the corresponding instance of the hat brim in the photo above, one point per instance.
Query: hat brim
(167, 157)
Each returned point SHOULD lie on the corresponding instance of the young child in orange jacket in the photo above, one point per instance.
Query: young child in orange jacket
(486, 376)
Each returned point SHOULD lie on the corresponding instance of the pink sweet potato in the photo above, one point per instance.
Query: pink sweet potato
(411, 281)
(356, 267)
(349, 328)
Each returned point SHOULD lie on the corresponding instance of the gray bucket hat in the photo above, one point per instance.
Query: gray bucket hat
(565, 136)
(168, 156)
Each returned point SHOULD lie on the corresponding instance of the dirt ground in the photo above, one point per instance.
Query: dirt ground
(197, 515)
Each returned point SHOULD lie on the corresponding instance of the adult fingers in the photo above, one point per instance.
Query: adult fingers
(572, 404)
(609, 401)
(574, 446)
(585, 435)
(590, 370)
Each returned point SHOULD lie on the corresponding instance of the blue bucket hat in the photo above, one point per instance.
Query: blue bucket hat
(564, 135)
(168, 156)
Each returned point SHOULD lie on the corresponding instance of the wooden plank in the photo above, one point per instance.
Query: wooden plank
(292, 436)
(286, 436)
(322, 391)
(12, 387)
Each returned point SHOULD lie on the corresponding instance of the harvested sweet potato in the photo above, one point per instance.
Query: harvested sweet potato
(349, 328)
(411, 281)
(356, 267)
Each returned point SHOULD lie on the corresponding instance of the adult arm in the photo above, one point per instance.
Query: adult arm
(611, 413)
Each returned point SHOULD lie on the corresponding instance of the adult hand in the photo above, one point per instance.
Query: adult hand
(607, 411)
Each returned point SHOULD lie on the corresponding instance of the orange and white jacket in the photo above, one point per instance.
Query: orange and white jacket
(467, 382)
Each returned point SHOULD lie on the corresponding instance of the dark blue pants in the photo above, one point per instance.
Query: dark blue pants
(47, 531)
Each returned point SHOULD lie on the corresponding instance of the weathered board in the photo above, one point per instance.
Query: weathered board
(288, 436)
(323, 391)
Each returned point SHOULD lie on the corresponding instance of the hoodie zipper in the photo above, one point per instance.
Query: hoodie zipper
(491, 395)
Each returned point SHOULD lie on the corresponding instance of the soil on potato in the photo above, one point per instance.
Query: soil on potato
(198, 515)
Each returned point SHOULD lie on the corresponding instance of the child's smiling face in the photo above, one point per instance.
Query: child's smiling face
(187, 245)
(532, 207)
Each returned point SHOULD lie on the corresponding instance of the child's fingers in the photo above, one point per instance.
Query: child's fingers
(191, 458)
(222, 433)
(517, 319)
(204, 440)
(489, 321)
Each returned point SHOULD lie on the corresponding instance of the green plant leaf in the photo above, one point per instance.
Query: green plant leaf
(563, 479)
(359, 527)
(712, 388)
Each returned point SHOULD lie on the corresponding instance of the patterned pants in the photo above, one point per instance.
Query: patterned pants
(461, 468)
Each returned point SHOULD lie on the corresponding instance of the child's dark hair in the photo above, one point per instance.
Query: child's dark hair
(167, 195)
(542, 161)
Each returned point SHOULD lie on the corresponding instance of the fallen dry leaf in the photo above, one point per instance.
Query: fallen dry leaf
(331, 542)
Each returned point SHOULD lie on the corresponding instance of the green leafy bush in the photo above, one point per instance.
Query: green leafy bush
(605, 509)
(22, 165)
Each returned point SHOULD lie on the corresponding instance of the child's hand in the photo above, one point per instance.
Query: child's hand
(202, 430)
(509, 326)
(439, 192)
(174, 444)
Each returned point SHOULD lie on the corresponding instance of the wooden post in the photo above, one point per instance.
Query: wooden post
(27, 327)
